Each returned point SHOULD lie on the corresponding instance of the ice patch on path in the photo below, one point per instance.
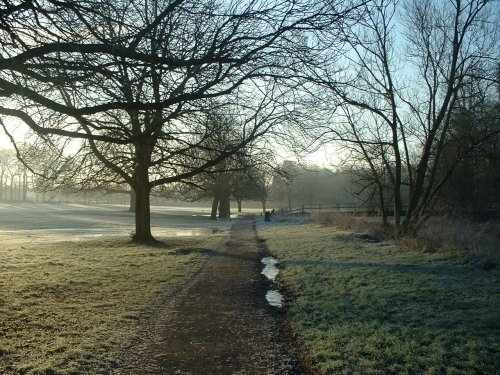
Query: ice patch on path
(273, 296)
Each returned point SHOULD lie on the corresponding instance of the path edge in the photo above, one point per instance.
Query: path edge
(303, 351)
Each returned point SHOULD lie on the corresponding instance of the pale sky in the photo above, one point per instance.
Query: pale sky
(325, 157)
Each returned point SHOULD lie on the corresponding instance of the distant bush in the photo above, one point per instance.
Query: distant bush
(356, 222)
(477, 242)
(341, 220)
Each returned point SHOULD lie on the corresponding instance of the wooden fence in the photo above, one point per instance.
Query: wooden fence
(317, 207)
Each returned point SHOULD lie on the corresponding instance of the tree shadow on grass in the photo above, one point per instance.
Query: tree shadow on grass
(437, 270)
(215, 253)
(194, 250)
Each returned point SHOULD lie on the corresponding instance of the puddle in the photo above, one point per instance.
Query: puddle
(273, 296)
(187, 232)
(270, 270)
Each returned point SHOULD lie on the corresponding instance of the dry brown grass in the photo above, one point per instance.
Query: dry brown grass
(478, 243)
(475, 243)
(354, 222)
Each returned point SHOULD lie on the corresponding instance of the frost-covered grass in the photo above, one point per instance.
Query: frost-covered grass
(71, 307)
(381, 308)
(52, 222)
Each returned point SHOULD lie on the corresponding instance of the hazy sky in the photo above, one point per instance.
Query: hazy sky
(324, 157)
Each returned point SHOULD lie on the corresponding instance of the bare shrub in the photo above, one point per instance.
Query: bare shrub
(477, 242)
(356, 222)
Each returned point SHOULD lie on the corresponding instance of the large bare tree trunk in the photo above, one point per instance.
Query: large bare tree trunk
(142, 190)
(143, 214)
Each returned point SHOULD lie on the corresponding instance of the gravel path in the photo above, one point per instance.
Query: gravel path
(220, 323)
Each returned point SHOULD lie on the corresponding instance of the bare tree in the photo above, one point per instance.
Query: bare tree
(398, 98)
(283, 182)
(234, 177)
(120, 73)
(4, 166)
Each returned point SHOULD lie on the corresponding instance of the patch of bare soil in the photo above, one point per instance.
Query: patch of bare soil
(220, 323)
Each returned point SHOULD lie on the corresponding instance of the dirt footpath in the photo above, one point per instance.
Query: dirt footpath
(220, 323)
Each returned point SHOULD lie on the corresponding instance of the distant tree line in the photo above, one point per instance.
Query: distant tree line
(471, 158)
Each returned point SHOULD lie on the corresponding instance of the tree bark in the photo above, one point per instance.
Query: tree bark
(239, 201)
(142, 190)
(142, 214)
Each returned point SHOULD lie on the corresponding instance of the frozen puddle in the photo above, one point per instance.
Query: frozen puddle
(270, 270)
(273, 296)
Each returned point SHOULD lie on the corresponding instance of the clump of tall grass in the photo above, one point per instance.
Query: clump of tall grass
(478, 243)
(355, 222)
(475, 243)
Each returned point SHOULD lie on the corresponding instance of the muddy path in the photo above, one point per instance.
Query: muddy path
(220, 323)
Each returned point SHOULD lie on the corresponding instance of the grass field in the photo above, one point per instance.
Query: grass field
(381, 308)
(71, 307)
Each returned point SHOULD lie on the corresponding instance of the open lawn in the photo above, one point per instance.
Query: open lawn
(382, 308)
(71, 307)
(44, 222)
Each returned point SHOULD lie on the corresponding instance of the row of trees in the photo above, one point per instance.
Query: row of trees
(139, 95)
(17, 183)
(243, 177)
(471, 159)
(284, 186)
